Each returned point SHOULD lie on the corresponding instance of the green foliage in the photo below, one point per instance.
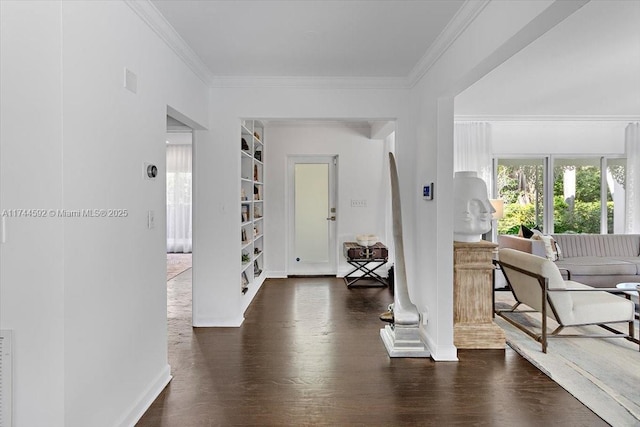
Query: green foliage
(587, 180)
(515, 215)
(521, 183)
(575, 215)
(584, 217)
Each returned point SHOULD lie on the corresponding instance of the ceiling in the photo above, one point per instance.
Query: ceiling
(588, 65)
(309, 38)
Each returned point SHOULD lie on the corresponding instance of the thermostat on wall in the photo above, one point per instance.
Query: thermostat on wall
(427, 192)
(150, 171)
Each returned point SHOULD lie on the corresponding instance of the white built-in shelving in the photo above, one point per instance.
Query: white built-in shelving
(252, 207)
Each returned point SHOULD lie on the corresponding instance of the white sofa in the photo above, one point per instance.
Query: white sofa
(599, 260)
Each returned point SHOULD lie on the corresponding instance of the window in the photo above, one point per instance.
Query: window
(520, 183)
(586, 194)
(577, 200)
(615, 177)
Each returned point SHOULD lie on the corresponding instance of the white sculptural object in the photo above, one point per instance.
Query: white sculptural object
(402, 338)
(471, 206)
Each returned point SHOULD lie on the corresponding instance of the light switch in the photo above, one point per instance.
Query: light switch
(151, 220)
(130, 80)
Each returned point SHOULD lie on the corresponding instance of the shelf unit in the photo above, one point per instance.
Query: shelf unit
(252, 207)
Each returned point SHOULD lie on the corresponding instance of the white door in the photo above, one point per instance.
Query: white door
(312, 215)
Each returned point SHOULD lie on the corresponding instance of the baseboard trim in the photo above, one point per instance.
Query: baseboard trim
(147, 398)
(209, 322)
(276, 274)
(447, 353)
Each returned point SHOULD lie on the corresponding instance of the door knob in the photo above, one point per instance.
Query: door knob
(331, 218)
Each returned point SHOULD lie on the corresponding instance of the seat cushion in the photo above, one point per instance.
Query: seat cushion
(631, 260)
(598, 266)
(597, 307)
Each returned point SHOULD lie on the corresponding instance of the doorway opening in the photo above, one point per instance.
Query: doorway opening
(179, 218)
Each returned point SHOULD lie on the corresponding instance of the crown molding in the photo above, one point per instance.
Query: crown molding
(309, 82)
(157, 22)
(314, 123)
(545, 118)
(461, 20)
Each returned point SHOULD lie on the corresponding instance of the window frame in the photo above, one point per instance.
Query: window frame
(548, 167)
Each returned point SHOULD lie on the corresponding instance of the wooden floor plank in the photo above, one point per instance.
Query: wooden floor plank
(309, 353)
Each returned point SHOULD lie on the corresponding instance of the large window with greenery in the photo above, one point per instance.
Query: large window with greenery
(576, 195)
(520, 184)
(586, 194)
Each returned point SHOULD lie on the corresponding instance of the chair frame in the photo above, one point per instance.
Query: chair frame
(544, 336)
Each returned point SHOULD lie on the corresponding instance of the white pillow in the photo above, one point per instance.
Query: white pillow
(549, 245)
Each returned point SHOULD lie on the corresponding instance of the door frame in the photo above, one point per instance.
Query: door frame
(193, 127)
(332, 267)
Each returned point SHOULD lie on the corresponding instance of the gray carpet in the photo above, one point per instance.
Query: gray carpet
(604, 374)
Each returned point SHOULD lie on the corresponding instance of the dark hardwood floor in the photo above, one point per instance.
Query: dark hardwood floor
(309, 354)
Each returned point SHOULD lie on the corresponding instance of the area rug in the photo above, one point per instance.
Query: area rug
(604, 374)
(176, 264)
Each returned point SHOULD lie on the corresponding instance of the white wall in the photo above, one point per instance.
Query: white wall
(500, 30)
(558, 137)
(95, 306)
(360, 176)
(86, 296)
(423, 151)
(31, 260)
(217, 297)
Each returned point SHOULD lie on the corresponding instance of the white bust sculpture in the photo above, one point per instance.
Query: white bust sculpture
(471, 207)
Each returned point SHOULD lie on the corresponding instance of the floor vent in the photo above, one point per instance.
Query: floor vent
(5, 378)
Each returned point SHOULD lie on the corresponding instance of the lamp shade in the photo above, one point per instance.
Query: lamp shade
(498, 205)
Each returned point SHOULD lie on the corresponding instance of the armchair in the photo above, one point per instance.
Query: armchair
(536, 282)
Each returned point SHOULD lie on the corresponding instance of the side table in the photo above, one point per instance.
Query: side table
(365, 260)
(631, 289)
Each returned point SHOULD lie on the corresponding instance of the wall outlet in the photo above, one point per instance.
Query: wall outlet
(358, 203)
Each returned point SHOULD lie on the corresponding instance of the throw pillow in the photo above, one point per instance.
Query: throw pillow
(525, 232)
(550, 246)
(558, 251)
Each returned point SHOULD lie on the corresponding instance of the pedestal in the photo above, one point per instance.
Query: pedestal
(403, 341)
(473, 326)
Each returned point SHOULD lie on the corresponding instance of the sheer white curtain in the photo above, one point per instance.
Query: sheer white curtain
(632, 180)
(472, 150)
(179, 198)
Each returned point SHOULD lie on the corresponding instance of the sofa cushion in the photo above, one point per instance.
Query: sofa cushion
(535, 247)
(631, 260)
(595, 307)
(526, 288)
(597, 266)
(598, 245)
(550, 246)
